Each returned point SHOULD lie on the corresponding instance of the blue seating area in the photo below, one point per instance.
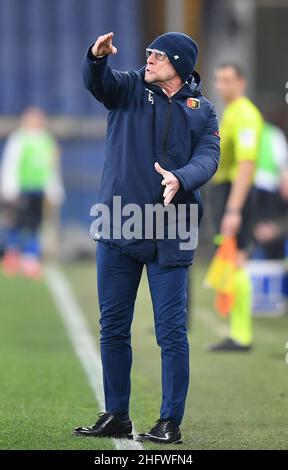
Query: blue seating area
(42, 46)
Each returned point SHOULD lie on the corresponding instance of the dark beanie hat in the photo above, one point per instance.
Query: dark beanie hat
(181, 50)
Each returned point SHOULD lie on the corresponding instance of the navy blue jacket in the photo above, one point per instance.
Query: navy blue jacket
(145, 126)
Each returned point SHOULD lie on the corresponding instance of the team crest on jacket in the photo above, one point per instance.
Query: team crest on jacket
(193, 103)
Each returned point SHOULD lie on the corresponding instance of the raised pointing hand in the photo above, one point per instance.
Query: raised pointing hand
(104, 46)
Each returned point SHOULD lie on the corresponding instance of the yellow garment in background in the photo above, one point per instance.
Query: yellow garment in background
(241, 329)
(240, 132)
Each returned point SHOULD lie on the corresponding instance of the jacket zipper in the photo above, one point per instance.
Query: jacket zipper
(166, 134)
(165, 145)
(168, 119)
(165, 140)
(165, 148)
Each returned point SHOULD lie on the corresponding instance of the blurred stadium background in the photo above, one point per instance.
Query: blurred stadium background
(42, 46)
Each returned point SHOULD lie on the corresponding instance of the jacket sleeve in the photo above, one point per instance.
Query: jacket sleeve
(110, 87)
(205, 157)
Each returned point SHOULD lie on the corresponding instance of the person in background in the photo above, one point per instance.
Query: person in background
(240, 132)
(29, 172)
(284, 188)
(273, 232)
(284, 197)
(269, 238)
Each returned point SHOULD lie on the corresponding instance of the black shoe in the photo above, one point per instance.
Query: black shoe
(229, 345)
(165, 432)
(108, 425)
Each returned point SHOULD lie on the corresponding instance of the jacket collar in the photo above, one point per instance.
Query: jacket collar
(192, 86)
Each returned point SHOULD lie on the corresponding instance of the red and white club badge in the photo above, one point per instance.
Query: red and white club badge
(193, 103)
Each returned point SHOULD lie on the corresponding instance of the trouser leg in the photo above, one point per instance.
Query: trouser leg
(241, 326)
(118, 277)
(31, 223)
(240, 316)
(168, 287)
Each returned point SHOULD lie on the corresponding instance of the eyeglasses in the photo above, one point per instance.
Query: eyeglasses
(160, 55)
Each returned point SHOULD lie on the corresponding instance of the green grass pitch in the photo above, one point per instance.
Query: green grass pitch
(234, 402)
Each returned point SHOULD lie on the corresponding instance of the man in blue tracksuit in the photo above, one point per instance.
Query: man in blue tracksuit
(162, 145)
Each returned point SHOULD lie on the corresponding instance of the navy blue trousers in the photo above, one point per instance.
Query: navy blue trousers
(118, 278)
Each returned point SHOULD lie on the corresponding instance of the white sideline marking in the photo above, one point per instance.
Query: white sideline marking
(82, 340)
